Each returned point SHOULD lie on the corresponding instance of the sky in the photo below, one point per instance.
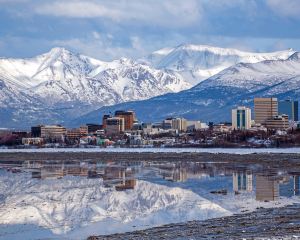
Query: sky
(110, 29)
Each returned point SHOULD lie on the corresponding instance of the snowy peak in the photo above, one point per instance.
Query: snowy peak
(61, 79)
(199, 62)
(295, 56)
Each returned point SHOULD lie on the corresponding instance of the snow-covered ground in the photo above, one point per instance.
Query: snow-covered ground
(162, 150)
(76, 207)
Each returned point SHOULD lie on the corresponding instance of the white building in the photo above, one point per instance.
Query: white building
(241, 118)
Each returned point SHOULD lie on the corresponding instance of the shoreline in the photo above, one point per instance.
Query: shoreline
(281, 223)
(275, 159)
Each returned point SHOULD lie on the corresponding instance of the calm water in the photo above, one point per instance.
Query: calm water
(75, 199)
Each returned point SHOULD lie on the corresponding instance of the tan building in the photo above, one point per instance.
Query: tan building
(76, 133)
(129, 118)
(115, 125)
(53, 131)
(280, 122)
(179, 124)
(265, 108)
(241, 118)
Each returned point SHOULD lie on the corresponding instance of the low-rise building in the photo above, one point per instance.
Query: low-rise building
(279, 122)
(53, 132)
(32, 141)
(77, 133)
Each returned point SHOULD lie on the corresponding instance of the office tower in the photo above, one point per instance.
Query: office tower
(105, 117)
(180, 124)
(114, 125)
(241, 118)
(128, 116)
(265, 108)
(290, 108)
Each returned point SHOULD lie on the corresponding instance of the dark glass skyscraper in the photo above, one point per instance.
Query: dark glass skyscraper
(289, 108)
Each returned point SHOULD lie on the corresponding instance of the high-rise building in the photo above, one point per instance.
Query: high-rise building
(179, 124)
(128, 116)
(265, 108)
(289, 108)
(114, 125)
(241, 118)
(105, 117)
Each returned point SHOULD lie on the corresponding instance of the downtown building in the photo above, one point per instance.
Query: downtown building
(115, 125)
(264, 109)
(289, 108)
(241, 118)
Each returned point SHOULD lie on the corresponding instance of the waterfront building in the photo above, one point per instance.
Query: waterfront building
(53, 132)
(265, 108)
(280, 122)
(241, 118)
(32, 141)
(290, 108)
(129, 118)
(93, 128)
(115, 125)
(76, 133)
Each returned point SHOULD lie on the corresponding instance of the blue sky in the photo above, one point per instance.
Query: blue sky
(109, 29)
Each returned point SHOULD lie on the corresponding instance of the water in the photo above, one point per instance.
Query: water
(75, 199)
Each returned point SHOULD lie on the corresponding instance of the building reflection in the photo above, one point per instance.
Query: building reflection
(119, 177)
(242, 181)
(262, 183)
(267, 188)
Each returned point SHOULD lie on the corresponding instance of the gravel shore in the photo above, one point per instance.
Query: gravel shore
(277, 223)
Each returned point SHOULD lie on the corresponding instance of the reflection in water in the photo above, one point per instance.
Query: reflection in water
(242, 181)
(63, 196)
(268, 184)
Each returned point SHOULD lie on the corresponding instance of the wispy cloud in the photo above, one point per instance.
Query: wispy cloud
(166, 13)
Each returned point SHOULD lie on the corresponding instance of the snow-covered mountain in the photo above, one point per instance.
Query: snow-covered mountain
(61, 84)
(196, 63)
(213, 99)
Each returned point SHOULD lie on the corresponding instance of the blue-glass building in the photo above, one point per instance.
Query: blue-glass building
(289, 108)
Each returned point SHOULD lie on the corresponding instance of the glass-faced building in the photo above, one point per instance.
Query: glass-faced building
(290, 108)
(241, 118)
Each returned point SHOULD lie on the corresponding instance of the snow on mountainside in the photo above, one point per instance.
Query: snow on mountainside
(61, 84)
(199, 62)
(213, 99)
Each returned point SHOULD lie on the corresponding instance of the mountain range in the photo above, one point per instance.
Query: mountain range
(64, 87)
(213, 99)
